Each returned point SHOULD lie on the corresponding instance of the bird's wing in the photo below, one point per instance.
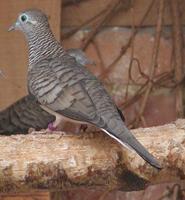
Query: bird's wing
(22, 115)
(60, 85)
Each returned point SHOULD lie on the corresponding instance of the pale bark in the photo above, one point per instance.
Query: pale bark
(58, 161)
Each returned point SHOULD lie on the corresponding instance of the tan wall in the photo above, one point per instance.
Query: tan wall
(13, 51)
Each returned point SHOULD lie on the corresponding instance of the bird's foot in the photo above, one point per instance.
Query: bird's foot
(83, 127)
(51, 127)
(78, 129)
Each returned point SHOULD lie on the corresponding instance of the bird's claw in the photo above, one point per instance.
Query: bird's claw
(83, 127)
(51, 127)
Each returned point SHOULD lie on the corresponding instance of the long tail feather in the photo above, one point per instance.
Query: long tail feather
(127, 138)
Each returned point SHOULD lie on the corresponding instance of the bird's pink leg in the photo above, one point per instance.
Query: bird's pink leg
(57, 124)
(58, 119)
(54, 125)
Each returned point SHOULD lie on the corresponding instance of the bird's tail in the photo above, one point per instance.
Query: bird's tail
(125, 137)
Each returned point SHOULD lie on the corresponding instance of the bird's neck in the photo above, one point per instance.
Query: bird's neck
(43, 44)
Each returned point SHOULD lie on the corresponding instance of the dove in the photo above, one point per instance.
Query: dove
(22, 115)
(26, 113)
(67, 89)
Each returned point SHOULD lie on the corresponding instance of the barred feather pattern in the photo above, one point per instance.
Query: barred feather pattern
(43, 45)
(26, 112)
(66, 87)
(22, 115)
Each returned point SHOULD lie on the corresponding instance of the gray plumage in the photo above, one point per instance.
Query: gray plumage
(26, 112)
(68, 88)
(80, 56)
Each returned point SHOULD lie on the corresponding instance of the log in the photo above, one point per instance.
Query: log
(59, 160)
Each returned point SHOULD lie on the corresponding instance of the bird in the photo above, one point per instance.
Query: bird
(67, 89)
(80, 56)
(26, 112)
(23, 114)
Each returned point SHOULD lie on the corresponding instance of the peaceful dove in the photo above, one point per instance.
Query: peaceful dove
(26, 113)
(66, 88)
(22, 115)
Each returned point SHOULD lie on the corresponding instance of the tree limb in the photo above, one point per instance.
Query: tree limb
(61, 160)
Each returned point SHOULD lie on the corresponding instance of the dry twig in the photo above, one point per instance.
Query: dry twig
(71, 2)
(89, 21)
(153, 61)
(125, 47)
(178, 55)
(111, 11)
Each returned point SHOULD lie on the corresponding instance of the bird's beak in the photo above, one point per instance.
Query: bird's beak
(13, 27)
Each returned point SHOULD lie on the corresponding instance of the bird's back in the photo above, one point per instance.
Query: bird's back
(22, 115)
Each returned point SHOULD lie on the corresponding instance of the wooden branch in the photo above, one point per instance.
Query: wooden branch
(61, 160)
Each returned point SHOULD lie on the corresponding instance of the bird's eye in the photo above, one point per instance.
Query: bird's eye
(24, 18)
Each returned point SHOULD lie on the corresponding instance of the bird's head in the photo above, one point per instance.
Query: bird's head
(30, 21)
